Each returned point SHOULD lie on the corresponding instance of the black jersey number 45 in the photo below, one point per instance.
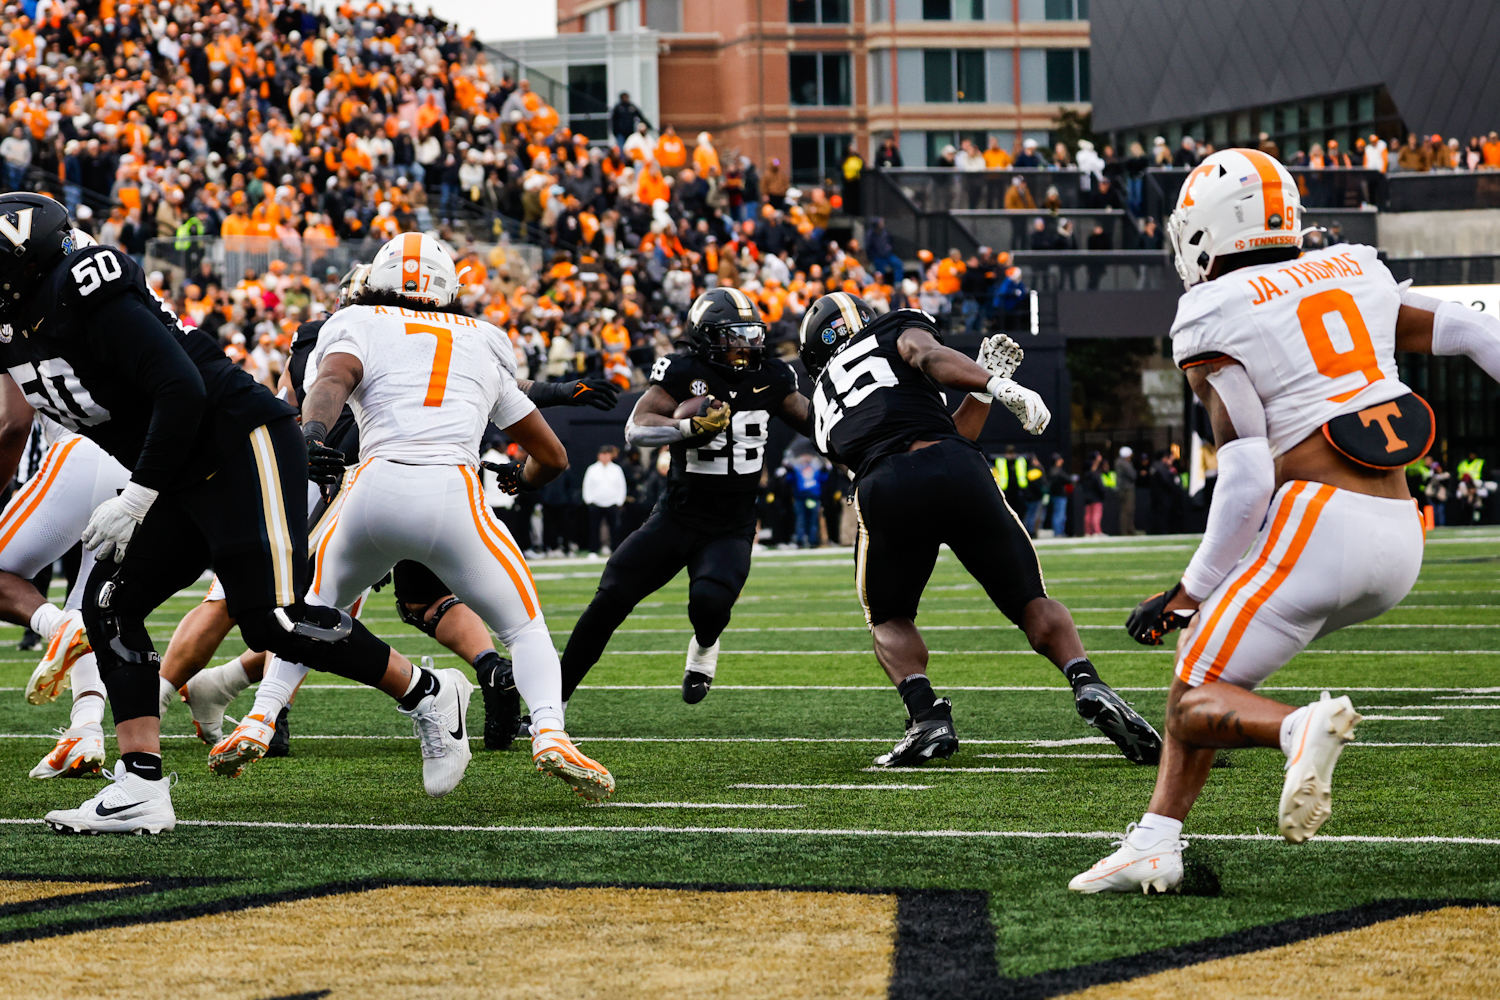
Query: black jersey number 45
(852, 375)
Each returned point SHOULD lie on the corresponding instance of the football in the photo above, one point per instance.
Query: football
(694, 406)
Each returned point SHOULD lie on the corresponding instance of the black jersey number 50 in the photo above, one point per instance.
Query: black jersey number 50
(95, 271)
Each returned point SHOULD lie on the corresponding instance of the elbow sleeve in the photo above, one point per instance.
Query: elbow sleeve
(1247, 479)
(642, 436)
(1457, 329)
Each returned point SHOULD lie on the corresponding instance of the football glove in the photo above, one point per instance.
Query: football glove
(1023, 402)
(714, 420)
(1000, 356)
(1150, 622)
(114, 521)
(325, 465)
(509, 478)
(596, 392)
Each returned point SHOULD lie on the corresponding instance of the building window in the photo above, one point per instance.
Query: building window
(1067, 75)
(588, 100)
(818, 11)
(953, 10)
(950, 75)
(816, 159)
(664, 15)
(1067, 10)
(819, 79)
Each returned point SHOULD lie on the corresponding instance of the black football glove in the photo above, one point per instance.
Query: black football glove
(1149, 622)
(509, 478)
(325, 465)
(596, 392)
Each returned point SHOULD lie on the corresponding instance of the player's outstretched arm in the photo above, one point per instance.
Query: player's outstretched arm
(15, 427)
(546, 458)
(600, 393)
(956, 370)
(796, 413)
(1246, 483)
(1426, 325)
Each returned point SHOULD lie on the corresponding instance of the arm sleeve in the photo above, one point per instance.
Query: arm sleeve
(1457, 329)
(130, 338)
(1247, 479)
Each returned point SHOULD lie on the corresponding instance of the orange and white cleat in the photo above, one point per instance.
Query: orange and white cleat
(50, 678)
(554, 753)
(249, 742)
(79, 752)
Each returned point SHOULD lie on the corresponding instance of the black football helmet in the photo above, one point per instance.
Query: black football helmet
(35, 233)
(830, 321)
(723, 320)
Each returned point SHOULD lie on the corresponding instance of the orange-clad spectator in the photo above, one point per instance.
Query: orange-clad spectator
(652, 186)
(1490, 151)
(266, 216)
(705, 157)
(22, 38)
(354, 157)
(544, 121)
(471, 270)
(429, 115)
(671, 151)
(588, 224)
(237, 224)
(996, 158)
(615, 340)
(950, 272)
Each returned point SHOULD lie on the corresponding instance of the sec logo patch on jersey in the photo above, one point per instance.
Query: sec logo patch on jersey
(698, 387)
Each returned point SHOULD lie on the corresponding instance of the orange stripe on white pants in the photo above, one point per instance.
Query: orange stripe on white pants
(24, 503)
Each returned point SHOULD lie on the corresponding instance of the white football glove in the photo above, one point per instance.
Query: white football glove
(114, 522)
(1024, 403)
(1000, 356)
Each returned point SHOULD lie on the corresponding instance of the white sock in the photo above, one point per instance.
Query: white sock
(166, 695)
(538, 675)
(277, 687)
(88, 710)
(1287, 725)
(232, 675)
(47, 619)
(696, 661)
(1154, 828)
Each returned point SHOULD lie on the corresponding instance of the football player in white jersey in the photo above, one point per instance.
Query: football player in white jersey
(1294, 356)
(45, 519)
(424, 379)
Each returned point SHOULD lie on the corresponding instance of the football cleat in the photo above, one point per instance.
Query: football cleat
(555, 754)
(29, 641)
(440, 722)
(502, 703)
(248, 742)
(128, 804)
(698, 675)
(926, 738)
(50, 678)
(523, 728)
(1106, 711)
(79, 751)
(1317, 741)
(207, 697)
(281, 737)
(1157, 866)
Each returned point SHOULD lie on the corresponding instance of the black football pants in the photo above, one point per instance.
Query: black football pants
(646, 561)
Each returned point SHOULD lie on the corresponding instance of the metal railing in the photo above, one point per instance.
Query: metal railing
(1442, 191)
(1445, 270)
(1014, 230)
(1096, 270)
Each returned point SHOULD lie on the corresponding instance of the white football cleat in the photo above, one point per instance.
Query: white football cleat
(441, 723)
(1307, 791)
(128, 804)
(207, 696)
(249, 742)
(1158, 865)
(79, 751)
(50, 678)
(554, 753)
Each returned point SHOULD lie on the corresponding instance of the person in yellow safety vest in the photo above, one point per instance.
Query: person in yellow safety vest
(1473, 467)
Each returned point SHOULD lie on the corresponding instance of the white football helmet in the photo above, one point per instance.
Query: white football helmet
(414, 266)
(1235, 200)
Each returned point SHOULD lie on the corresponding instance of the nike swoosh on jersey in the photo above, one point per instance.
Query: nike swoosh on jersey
(760, 388)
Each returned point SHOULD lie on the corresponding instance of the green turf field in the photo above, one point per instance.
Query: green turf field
(768, 781)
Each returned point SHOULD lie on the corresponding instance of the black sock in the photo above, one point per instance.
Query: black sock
(486, 662)
(1080, 672)
(145, 765)
(916, 691)
(426, 684)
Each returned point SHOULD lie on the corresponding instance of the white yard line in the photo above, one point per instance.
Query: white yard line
(1053, 756)
(958, 770)
(844, 788)
(1402, 718)
(1419, 708)
(693, 805)
(775, 832)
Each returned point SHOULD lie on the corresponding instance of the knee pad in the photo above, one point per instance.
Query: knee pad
(417, 617)
(128, 663)
(322, 638)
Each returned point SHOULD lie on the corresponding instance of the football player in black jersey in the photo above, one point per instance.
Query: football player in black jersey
(706, 520)
(920, 482)
(422, 600)
(219, 478)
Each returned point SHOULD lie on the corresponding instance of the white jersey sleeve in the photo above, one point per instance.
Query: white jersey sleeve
(1316, 335)
(431, 383)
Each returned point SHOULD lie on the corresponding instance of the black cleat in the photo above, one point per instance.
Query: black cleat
(926, 738)
(695, 686)
(30, 640)
(523, 728)
(502, 703)
(1112, 715)
(281, 739)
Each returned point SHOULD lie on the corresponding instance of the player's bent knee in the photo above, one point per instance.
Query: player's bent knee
(322, 638)
(425, 617)
(127, 661)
